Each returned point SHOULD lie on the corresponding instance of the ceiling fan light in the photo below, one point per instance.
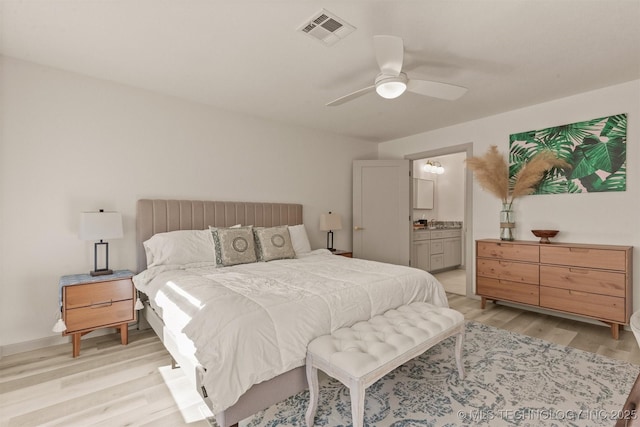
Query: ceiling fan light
(391, 89)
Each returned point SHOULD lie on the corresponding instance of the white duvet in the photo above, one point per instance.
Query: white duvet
(252, 322)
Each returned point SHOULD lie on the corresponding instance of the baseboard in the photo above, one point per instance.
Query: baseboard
(37, 344)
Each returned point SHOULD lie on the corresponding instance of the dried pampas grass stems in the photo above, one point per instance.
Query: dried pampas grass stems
(492, 173)
(528, 178)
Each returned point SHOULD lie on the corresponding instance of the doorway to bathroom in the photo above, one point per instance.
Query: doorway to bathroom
(450, 212)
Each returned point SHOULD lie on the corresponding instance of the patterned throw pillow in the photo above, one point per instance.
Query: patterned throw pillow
(233, 245)
(273, 243)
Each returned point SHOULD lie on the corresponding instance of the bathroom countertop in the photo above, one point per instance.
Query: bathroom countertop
(439, 225)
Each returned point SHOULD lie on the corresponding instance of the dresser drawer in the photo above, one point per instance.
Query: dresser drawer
(508, 251)
(608, 259)
(508, 270)
(582, 279)
(599, 306)
(508, 291)
(437, 246)
(99, 315)
(97, 293)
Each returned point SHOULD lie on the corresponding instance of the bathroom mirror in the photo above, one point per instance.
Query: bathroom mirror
(422, 193)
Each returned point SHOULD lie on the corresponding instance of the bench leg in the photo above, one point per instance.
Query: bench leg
(357, 392)
(312, 379)
(459, 346)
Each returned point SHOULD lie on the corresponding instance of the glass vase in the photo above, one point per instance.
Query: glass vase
(507, 222)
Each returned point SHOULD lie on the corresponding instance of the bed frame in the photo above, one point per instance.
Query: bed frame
(158, 216)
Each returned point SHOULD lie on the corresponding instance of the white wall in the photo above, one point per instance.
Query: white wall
(605, 218)
(71, 143)
(449, 188)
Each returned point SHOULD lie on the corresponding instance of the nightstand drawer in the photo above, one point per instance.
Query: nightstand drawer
(97, 293)
(101, 315)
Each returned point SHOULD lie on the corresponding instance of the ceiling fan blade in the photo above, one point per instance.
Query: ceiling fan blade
(351, 96)
(389, 54)
(436, 89)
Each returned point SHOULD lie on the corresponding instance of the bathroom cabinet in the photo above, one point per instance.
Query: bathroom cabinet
(435, 250)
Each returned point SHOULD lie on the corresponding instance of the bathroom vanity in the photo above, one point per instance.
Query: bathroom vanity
(435, 249)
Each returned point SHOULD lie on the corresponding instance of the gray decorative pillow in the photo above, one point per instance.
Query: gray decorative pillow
(233, 245)
(273, 243)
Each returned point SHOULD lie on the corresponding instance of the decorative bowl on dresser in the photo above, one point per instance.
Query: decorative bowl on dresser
(594, 281)
(545, 235)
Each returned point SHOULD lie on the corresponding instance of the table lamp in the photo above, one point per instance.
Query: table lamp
(100, 226)
(330, 222)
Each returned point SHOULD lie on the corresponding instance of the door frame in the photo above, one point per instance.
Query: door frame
(467, 228)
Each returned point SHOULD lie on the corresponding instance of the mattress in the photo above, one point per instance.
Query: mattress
(251, 322)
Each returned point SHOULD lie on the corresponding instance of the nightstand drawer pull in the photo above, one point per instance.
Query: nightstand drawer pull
(102, 304)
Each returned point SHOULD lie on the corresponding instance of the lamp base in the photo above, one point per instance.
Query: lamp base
(103, 272)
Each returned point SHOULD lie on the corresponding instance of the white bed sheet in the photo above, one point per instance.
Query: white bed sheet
(249, 323)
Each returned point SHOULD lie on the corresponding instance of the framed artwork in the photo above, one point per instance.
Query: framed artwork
(596, 150)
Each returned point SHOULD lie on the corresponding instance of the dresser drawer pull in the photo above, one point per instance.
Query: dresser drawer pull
(102, 304)
(577, 293)
(579, 250)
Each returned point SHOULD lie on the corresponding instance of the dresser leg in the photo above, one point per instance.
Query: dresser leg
(483, 303)
(615, 330)
(124, 333)
(75, 339)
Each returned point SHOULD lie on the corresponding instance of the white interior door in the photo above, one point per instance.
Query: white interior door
(381, 204)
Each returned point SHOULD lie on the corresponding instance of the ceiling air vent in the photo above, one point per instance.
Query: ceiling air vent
(326, 27)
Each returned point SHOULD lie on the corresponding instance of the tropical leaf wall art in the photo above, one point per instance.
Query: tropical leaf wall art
(596, 150)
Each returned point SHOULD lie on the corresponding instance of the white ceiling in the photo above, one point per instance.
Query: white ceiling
(247, 57)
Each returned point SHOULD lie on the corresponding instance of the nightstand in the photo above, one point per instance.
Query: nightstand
(347, 254)
(93, 302)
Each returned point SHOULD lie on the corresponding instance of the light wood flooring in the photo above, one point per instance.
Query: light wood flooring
(453, 281)
(133, 385)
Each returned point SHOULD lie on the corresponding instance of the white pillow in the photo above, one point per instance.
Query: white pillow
(182, 247)
(299, 239)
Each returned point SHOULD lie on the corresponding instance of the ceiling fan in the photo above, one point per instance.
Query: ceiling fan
(391, 82)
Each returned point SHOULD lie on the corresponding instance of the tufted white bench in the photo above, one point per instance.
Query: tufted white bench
(360, 355)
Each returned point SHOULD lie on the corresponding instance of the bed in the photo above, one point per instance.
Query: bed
(240, 331)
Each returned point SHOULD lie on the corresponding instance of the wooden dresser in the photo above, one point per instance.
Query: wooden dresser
(587, 280)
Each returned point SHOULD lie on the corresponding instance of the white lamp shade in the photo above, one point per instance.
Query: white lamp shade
(330, 222)
(100, 225)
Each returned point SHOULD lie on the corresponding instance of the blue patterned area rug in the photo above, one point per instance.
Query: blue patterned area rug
(511, 380)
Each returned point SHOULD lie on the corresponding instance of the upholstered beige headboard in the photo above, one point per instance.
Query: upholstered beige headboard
(158, 216)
